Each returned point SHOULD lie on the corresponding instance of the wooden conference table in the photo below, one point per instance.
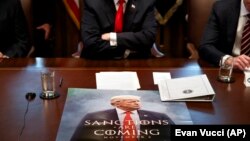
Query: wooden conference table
(22, 75)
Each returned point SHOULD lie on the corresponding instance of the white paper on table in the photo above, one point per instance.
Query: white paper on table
(185, 87)
(247, 78)
(158, 76)
(117, 80)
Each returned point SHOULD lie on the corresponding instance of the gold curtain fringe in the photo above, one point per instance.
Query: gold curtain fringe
(169, 14)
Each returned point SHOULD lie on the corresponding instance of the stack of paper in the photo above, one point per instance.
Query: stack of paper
(194, 88)
(117, 80)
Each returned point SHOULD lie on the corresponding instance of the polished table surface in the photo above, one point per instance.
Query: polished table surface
(22, 75)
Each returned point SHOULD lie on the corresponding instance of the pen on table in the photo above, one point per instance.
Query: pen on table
(61, 81)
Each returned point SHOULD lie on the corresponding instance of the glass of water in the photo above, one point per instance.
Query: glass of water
(48, 85)
(225, 72)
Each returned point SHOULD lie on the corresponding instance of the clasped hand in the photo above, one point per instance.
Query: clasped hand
(241, 62)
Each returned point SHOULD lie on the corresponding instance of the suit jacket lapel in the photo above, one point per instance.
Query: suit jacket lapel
(109, 10)
(130, 13)
(143, 116)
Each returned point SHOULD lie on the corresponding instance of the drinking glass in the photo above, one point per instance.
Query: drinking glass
(48, 85)
(225, 72)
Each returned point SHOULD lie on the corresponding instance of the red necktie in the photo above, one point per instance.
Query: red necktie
(119, 17)
(129, 129)
(245, 40)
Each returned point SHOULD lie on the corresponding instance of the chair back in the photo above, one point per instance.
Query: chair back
(198, 12)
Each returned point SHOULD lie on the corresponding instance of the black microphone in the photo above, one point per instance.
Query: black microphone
(29, 97)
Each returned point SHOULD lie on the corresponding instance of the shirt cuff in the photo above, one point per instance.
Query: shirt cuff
(224, 58)
(113, 39)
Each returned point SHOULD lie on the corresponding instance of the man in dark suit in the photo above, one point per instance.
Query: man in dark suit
(14, 35)
(43, 12)
(222, 35)
(102, 42)
(109, 124)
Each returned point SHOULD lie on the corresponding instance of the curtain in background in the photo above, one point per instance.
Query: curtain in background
(73, 9)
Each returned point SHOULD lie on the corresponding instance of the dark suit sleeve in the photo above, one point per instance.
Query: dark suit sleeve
(207, 49)
(91, 32)
(219, 34)
(21, 44)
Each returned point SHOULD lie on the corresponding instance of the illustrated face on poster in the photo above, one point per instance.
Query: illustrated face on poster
(126, 102)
